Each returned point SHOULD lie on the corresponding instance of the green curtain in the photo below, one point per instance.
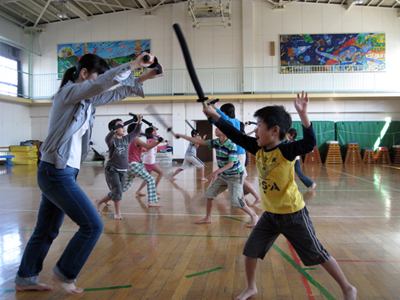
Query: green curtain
(324, 130)
(366, 133)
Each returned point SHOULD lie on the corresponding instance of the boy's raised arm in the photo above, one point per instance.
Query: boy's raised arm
(301, 105)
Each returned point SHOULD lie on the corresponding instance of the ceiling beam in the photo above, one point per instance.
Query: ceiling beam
(18, 13)
(35, 13)
(77, 11)
(97, 3)
(84, 8)
(42, 12)
(144, 4)
(48, 10)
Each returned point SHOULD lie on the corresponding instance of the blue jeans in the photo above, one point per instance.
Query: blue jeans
(61, 196)
(304, 179)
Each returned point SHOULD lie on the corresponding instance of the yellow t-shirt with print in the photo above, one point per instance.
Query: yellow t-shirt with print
(278, 190)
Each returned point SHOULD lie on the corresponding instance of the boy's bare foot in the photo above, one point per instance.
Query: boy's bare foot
(204, 179)
(257, 201)
(311, 188)
(139, 194)
(203, 221)
(98, 206)
(70, 288)
(247, 293)
(155, 204)
(108, 203)
(254, 220)
(38, 287)
(173, 178)
(350, 294)
(118, 217)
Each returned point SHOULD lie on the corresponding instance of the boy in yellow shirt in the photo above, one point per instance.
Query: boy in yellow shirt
(285, 210)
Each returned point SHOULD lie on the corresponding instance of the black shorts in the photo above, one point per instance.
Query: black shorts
(296, 227)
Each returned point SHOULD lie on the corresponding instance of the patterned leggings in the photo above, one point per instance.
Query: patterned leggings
(137, 169)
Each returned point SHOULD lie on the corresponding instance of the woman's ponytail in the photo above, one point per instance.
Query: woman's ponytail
(70, 74)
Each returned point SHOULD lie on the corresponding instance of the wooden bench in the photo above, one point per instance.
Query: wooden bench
(8, 158)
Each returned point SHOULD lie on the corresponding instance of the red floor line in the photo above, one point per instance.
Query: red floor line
(305, 281)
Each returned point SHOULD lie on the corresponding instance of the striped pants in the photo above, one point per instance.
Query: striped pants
(136, 169)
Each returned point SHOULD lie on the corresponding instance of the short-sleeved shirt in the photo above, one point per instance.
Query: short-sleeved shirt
(118, 148)
(226, 153)
(278, 190)
(191, 150)
(235, 123)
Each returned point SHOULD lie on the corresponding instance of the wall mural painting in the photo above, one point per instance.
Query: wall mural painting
(333, 52)
(114, 53)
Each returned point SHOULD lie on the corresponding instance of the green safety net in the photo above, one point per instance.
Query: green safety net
(366, 133)
(324, 130)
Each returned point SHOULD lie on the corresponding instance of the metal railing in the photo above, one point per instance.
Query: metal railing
(255, 80)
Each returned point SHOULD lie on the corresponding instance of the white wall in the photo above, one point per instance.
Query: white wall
(15, 123)
(244, 44)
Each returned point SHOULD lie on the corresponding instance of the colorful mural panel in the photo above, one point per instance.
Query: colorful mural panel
(333, 52)
(114, 53)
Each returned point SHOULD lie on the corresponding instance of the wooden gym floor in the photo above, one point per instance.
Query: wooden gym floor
(158, 253)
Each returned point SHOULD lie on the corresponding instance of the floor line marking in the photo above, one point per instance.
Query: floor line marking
(305, 274)
(204, 272)
(303, 278)
(109, 288)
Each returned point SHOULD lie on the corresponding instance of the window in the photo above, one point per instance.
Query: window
(8, 76)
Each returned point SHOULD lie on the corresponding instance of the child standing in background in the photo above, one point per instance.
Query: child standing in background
(117, 165)
(229, 175)
(149, 159)
(136, 168)
(227, 112)
(191, 158)
(291, 137)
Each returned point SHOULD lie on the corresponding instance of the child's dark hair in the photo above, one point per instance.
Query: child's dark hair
(91, 62)
(149, 130)
(131, 127)
(275, 116)
(112, 123)
(293, 133)
(194, 132)
(228, 109)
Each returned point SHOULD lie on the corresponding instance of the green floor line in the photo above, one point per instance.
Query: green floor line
(306, 269)
(204, 272)
(305, 274)
(109, 288)
(7, 290)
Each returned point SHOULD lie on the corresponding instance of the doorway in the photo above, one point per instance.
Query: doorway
(204, 153)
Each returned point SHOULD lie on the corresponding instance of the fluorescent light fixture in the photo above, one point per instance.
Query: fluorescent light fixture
(62, 12)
